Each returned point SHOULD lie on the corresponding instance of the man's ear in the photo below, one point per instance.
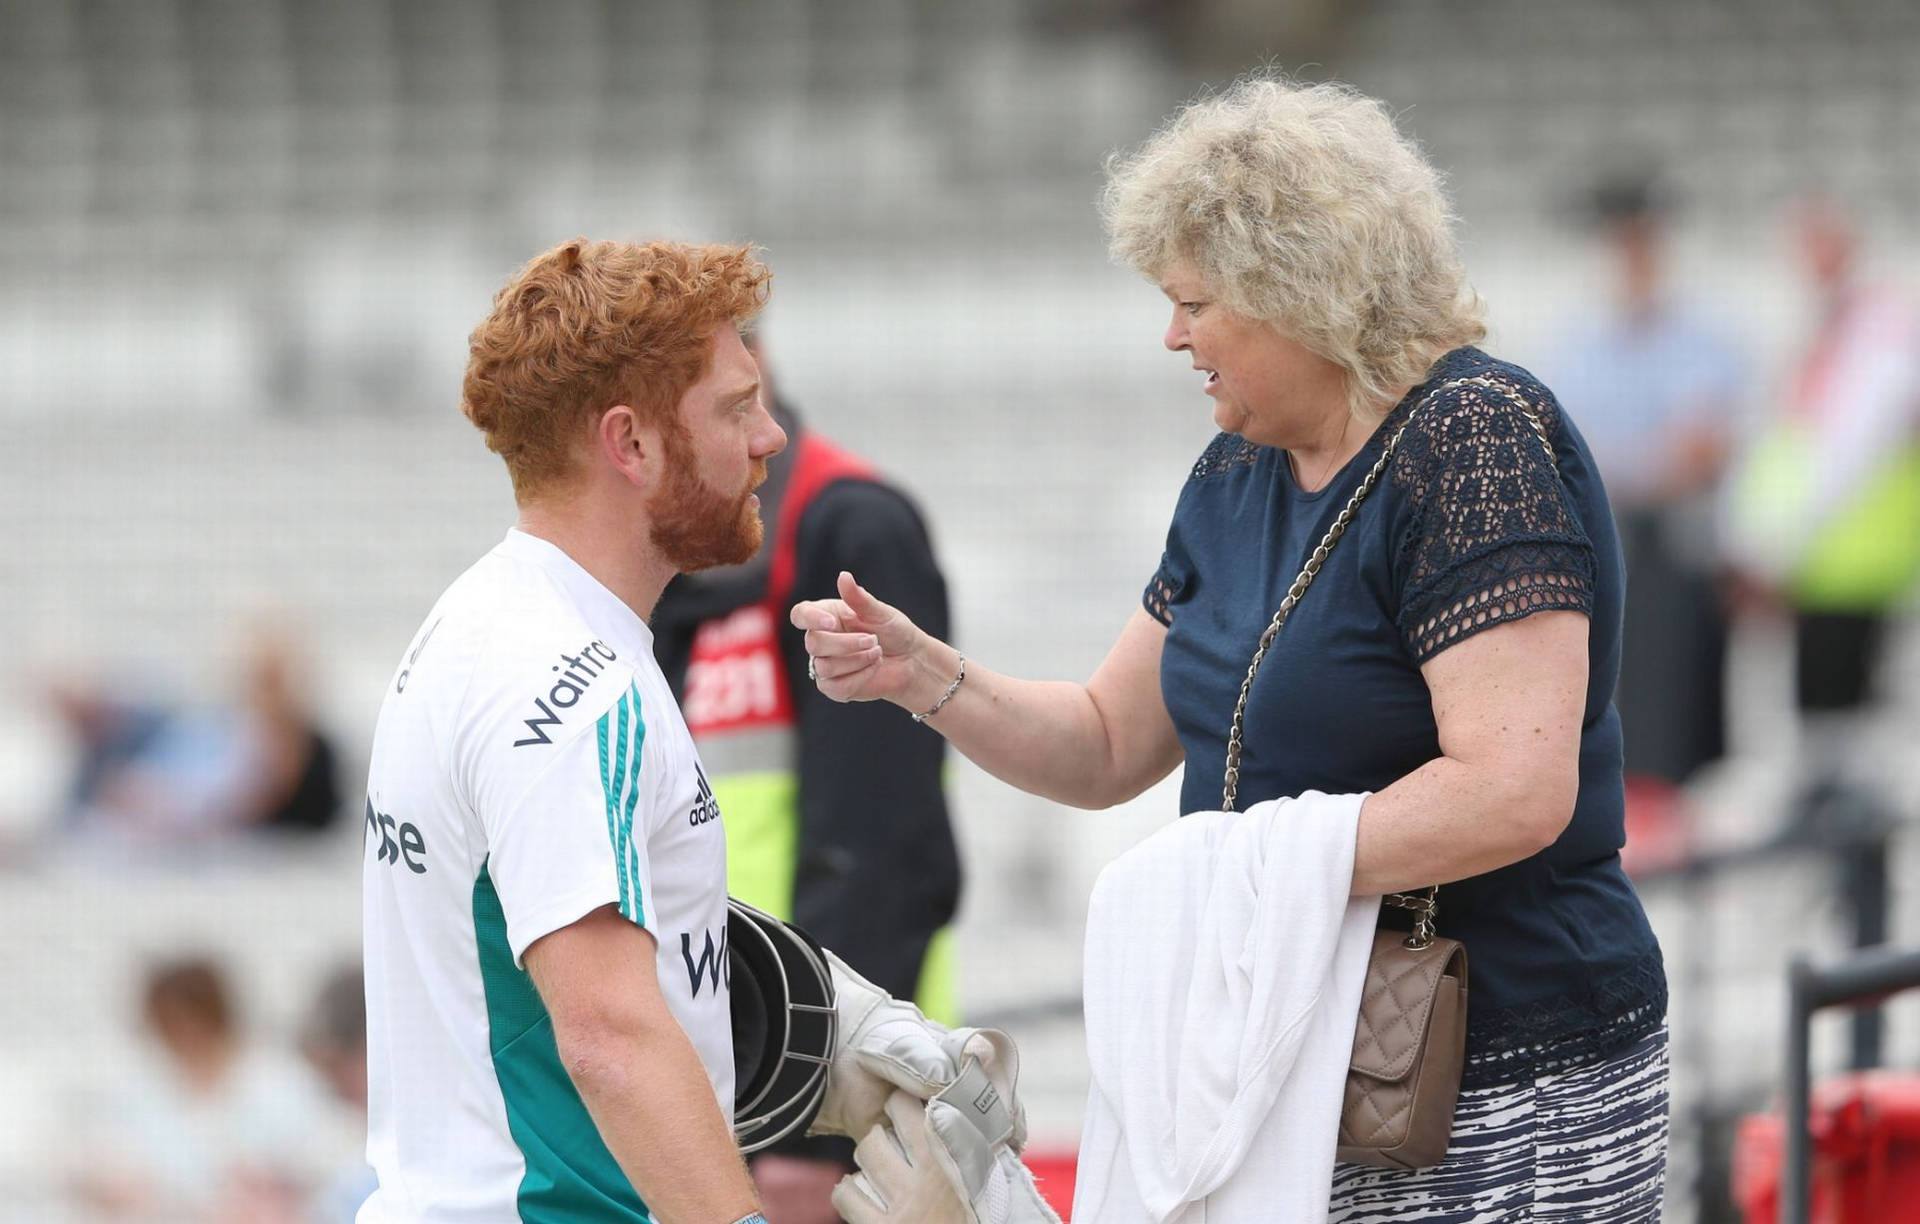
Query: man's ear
(628, 444)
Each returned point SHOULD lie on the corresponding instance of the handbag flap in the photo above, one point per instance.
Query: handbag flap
(1397, 1002)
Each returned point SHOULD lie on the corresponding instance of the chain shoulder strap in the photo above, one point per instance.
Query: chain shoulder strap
(1424, 904)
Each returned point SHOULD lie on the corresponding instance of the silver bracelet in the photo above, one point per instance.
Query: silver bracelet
(755, 1218)
(948, 695)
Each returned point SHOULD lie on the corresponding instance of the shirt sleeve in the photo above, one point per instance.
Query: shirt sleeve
(1488, 535)
(878, 871)
(1170, 580)
(1157, 599)
(566, 820)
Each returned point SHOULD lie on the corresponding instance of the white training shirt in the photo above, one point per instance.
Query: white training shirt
(529, 766)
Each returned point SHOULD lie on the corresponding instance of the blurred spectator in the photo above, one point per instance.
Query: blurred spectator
(294, 782)
(835, 813)
(150, 772)
(210, 1129)
(1654, 387)
(335, 1043)
(1827, 509)
(112, 735)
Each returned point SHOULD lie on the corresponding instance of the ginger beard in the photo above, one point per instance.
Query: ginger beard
(696, 526)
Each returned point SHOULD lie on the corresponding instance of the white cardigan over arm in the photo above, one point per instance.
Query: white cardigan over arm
(1224, 964)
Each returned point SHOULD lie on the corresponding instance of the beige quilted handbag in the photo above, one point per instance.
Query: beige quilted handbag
(1409, 1047)
(1410, 1042)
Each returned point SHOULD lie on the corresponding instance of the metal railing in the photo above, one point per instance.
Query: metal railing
(1850, 829)
(1865, 978)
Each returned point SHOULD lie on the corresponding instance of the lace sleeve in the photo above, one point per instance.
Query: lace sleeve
(1490, 537)
(1157, 599)
(1227, 453)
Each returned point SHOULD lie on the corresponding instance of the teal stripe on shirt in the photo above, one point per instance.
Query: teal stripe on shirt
(623, 732)
(622, 766)
(613, 776)
(606, 789)
(633, 798)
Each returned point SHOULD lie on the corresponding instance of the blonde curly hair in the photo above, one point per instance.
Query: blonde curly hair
(1304, 207)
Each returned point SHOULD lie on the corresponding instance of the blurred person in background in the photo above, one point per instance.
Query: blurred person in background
(110, 734)
(1456, 656)
(1826, 517)
(835, 815)
(1655, 387)
(334, 1040)
(294, 783)
(150, 771)
(545, 909)
(215, 1127)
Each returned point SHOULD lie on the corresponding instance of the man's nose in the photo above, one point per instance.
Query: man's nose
(771, 441)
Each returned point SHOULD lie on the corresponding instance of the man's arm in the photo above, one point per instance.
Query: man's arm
(636, 1071)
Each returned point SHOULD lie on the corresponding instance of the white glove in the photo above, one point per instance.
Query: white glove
(883, 1044)
(888, 1057)
(977, 1132)
(898, 1181)
(942, 1162)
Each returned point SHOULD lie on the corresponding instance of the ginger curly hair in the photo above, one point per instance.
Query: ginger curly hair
(588, 325)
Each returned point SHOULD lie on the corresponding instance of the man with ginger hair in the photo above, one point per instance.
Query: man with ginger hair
(545, 913)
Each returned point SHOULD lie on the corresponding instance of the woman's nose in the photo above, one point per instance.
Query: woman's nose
(1176, 337)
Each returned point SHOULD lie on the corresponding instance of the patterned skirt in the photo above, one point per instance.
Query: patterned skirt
(1582, 1145)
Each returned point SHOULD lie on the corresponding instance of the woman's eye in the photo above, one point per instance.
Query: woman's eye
(1192, 308)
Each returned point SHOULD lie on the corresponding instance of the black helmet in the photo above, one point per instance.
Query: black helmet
(783, 1026)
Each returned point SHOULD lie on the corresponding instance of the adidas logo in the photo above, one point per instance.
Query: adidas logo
(705, 809)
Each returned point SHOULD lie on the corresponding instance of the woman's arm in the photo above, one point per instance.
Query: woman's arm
(1091, 745)
(1509, 702)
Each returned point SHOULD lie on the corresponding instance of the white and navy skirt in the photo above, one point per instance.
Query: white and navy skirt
(1581, 1145)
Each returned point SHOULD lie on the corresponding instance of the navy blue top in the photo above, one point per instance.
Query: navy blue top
(1470, 526)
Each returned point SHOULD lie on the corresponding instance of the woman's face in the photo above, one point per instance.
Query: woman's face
(1266, 387)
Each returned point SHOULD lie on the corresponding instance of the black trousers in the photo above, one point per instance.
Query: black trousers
(1835, 657)
(1673, 657)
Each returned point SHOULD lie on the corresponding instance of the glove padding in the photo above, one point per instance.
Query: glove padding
(944, 1161)
(898, 1181)
(883, 1044)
